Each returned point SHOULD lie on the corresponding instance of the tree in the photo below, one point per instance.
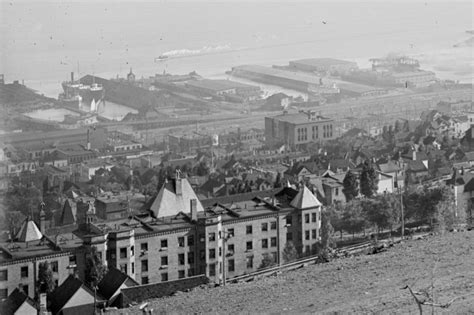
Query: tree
(368, 180)
(353, 220)
(45, 278)
(377, 212)
(95, 269)
(267, 261)
(289, 252)
(351, 187)
(335, 212)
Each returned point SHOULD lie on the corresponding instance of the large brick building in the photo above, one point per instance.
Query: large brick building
(297, 129)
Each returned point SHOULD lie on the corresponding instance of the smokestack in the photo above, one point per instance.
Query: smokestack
(179, 188)
(193, 203)
(72, 77)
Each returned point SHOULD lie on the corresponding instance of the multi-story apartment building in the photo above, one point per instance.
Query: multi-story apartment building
(181, 237)
(299, 128)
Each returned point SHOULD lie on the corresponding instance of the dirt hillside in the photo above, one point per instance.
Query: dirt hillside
(363, 284)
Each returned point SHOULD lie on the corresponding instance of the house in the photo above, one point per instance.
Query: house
(18, 303)
(112, 284)
(72, 297)
(385, 183)
(416, 171)
(298, 173)
(333, 191)
(394, 170)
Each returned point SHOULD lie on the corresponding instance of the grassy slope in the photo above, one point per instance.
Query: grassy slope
(363, 284)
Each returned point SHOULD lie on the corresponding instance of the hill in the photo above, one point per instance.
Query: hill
(362, 284)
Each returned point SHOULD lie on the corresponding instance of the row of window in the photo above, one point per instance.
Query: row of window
(314, 234)
(302, 133)
(24, 271)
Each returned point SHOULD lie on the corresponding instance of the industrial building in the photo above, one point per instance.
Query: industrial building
(298, 129)
(328, 65)
(208, 87)
(302, 81)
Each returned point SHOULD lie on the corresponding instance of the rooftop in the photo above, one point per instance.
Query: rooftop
(320, 62)
(300, 118)
(218, 85)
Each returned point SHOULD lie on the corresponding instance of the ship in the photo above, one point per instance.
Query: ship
(81, 96)
(161, 58)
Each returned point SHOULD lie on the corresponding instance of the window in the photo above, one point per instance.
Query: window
(248, 229)
(220, 251)
(249, 261)
(123, 252)
(201, 238)
(72, 260)
(274, 256)
(337, 191)
(230, 249)
(249, 245)
(264, 227)
(24, 272)
(164, 244)
(181, 259)
(54, 266)
(306, 235)
(289, 236)
(181, 274)
(212, 237)
(133, 268)
(3, 293)
(144, 265)
(230, 233)
(190, 272)
(231, 265)
(164, 261)
(132, 251)
(191, 258)
(307, 249)
(180, 241)
(123, 268)
(212, 253)
(25, 289)
(164, 276)
(289, 220)
(264, 243)
(314, 234)
(273, 225)
(313, 217)
(145, 280)
(212, 270)
(191, 240)
(273, 242)
(306, 218)
(144, 247)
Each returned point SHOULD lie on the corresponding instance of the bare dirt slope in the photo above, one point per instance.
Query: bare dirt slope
(364, 284)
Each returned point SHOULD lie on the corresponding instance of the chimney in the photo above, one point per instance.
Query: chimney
(193, 205)
(88, 140)
(414, 155)
(42, 221)
(179, 187)
(72, 77)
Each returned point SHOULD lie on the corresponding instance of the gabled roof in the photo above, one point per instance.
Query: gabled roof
(112, 282)
(416, 166)
(174, 196)
(29, 231)
(14, 301)
(62, 294)
(305, 199)
(389, 167)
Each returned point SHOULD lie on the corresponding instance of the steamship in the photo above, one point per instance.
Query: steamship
(81, 96)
